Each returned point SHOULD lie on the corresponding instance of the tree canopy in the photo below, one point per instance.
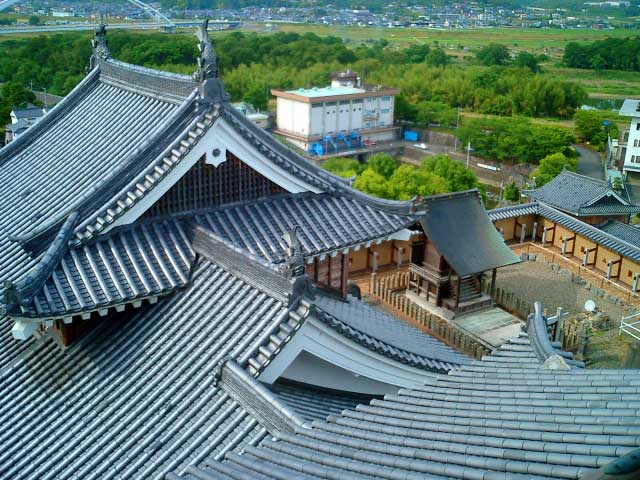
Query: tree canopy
(383, 177)
(551, 166)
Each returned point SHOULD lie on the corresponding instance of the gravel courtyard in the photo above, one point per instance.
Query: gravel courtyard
(536, 281)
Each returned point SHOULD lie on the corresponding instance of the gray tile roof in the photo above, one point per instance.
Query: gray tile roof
(140, 384)
(582, 195)
(387, 335)
(623, 231)
(504, 417)
(618, 244)
(316, 404)
(458, 225)
(18, 127)
(28, 112)
(145, 261)
(87, 139)
(326, 223)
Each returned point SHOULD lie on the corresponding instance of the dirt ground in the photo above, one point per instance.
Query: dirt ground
(536, 281)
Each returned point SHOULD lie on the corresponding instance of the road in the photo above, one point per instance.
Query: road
(589, 163)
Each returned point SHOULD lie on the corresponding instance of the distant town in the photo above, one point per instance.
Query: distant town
(459, 15)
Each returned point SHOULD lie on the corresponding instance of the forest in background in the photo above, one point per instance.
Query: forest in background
(505, 88)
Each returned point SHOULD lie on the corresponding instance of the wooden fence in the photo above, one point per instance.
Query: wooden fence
(391, 290)
(573, 335)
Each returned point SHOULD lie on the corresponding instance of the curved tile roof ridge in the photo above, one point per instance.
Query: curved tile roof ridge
(22, 292)
(424, 361)
(540, 341)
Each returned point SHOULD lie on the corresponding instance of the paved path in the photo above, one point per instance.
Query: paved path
(589, 163)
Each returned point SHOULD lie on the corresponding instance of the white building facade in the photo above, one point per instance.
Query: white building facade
(329, 115)
(631, 108)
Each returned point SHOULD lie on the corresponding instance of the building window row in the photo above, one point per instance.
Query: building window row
(635, 158)
(636, 142)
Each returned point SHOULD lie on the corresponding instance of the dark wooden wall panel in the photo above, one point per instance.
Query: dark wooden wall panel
(205, 186)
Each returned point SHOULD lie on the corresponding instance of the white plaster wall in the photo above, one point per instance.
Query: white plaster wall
(285, 113)
(634, 138)
(317, 120)
(301, 117)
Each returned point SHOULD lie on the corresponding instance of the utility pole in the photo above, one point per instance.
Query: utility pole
(468, 153)
(455, 137)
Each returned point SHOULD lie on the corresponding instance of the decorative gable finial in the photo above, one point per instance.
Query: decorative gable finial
(99, 42)
(294, 257)
(207, 61)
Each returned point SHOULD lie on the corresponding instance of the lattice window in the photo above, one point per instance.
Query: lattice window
(205, 186)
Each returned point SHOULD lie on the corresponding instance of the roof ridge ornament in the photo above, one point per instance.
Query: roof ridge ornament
(207, 61)
(294, 257)
(99, 44)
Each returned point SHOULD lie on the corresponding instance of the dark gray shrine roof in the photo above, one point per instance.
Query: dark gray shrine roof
(92, 136)
(610, 238)
(326, 222)
(459, 227)
(583, 196)
(505, 417)
(144, 382)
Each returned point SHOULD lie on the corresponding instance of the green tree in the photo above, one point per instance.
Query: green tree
(493, 54)
(343, 167)
(383, 164)
(437, 58)
(527, 60)
(408, 182)
(511, 192)
(256, 95)
(551, 166)
(456, 176)
(34, 20)
(373, 183)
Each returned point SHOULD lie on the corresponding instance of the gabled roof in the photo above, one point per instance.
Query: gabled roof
(581, 195)
(459, 227)
(612, 240)
(30, 111)
(507, 416)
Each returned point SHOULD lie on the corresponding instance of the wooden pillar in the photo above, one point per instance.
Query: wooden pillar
(493, 282)
(457, 294)
(345, 274)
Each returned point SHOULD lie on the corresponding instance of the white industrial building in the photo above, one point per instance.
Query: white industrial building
(631, 108)
(344, 115)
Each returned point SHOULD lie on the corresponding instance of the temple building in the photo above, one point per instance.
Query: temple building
(592, 201)
(178, 303)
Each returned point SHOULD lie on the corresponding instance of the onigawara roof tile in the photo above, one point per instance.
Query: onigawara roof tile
(326, 223)
(508, 416)
(583, 196)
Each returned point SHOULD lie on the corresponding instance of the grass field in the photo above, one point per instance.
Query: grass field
(531, 39)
